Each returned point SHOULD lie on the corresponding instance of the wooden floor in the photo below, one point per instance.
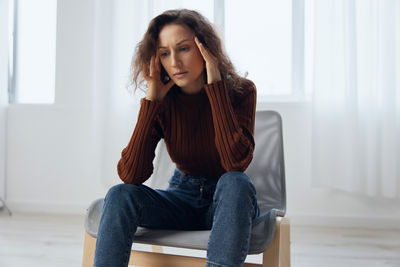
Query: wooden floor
(56, 240)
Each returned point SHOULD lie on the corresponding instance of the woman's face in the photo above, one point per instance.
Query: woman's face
(180, 54)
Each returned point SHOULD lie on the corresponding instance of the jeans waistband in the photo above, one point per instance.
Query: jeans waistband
(200, 179)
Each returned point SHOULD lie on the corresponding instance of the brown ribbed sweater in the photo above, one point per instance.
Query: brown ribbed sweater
(205, 133)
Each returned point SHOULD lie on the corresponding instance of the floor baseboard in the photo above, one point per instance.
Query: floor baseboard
(48, 208)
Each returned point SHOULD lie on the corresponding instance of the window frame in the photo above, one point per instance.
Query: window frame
(298, 51)
(12, 56)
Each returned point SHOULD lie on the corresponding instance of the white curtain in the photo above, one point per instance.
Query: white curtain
(118, 28)
(356, 96)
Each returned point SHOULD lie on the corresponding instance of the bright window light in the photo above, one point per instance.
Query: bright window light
(258, 39)
(35, 51)
(205, 7)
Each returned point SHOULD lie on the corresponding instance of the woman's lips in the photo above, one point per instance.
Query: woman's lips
(180, 75)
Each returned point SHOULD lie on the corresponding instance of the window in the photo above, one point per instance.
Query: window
(34, 46)
(205, 7)
(258, 40)
(263, 38)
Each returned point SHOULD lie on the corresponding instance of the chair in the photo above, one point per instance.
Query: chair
(270, 233)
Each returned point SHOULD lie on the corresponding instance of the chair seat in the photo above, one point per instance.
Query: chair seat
(261, 236)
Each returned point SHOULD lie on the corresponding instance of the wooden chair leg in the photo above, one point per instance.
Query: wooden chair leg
(88, 250)
(284, 250)
(271, 254)
(278, 252)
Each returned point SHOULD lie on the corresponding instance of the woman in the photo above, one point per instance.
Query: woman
(205, 113)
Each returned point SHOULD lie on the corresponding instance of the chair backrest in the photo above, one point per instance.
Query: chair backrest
(267, 168)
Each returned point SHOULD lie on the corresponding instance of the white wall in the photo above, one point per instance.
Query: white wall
(63, 156)
(52, 159)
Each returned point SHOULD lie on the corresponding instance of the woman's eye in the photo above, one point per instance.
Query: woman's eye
(180, 49)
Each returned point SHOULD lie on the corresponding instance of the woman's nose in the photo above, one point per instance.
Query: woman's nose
(175, 61)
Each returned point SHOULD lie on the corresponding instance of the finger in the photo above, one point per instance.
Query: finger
(144, 72)
(199, 46)
(203, 50)
(157, 63)
(151, 66)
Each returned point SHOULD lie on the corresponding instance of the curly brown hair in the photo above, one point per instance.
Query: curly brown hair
(206, 34)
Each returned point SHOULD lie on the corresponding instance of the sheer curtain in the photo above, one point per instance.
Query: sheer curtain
(118, 27)
(356, 96)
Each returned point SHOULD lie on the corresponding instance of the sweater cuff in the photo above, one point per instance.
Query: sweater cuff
(149, 110)
(220, 102)
(218, 92)
(216, 86)
(152, 106)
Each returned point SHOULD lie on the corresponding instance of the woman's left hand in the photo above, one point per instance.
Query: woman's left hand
(213, 73)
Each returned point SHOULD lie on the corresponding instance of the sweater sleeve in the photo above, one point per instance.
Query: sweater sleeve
(234, 126)
(136, 163)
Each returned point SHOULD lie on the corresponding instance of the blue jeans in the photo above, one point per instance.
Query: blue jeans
(226, 205)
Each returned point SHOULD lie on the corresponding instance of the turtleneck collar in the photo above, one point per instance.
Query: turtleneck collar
(191, 98)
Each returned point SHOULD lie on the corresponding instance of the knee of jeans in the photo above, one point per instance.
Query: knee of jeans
(114, 192)
(236, 182)
(123, 199)
(120, 192)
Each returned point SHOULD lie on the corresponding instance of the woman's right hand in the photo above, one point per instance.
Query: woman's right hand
(156, 88)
